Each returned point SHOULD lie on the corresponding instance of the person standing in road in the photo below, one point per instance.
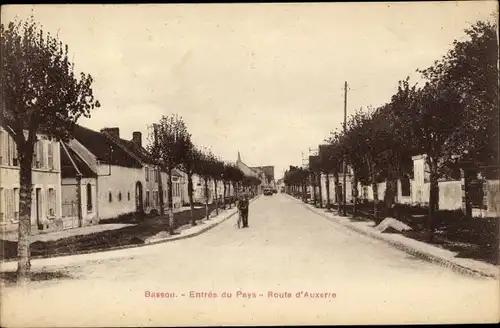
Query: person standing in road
(243, 205)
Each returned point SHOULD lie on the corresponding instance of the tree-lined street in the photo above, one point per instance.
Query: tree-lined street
(398, 111)
(287, 249)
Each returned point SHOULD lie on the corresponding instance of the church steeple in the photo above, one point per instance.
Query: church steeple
(239, 157)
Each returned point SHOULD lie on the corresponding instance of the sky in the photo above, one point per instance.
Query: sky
(263, 79)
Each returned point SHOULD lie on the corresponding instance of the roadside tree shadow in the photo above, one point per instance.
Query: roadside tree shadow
(9, 278)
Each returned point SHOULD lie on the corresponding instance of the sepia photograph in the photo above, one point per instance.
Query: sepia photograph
(249, 164)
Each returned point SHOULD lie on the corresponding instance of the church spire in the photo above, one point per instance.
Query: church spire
(239, 157)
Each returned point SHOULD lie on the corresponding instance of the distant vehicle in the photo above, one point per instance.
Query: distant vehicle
(268, 192)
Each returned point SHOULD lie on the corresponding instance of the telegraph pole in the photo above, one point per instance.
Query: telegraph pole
(344, 169)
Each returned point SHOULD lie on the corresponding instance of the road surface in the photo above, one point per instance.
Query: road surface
(288, 251)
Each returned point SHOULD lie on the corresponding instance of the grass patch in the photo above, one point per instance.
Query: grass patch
(146, 226)
(473, 238)
(9, 278)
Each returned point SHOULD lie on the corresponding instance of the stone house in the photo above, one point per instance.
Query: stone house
(46, 183)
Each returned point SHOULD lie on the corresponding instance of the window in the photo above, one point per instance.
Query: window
(157, 174)
(147, 173)
(426, 172)
(9, 204)
(15, 160)
(39, 155)
(37, 160)
(147, 198)
(89, 197)
(365, 192)
(128, 195)
(110, 197)
(155, 198)
(50, 151)
(51, 202)
(120, 196)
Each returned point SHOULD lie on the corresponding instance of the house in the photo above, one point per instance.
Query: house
(179, 183)
(150, 183)
(112, 178)
(198, 189)
(414, 189)
(253, 173)
(78, 187)
(46, 183)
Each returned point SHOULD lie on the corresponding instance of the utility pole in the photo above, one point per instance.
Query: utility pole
(344, 169)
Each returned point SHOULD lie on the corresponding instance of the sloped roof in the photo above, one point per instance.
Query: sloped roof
(138, 152)
(68, 170)
(105, 148)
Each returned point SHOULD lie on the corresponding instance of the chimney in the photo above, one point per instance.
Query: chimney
(137, 138)
(115, 132)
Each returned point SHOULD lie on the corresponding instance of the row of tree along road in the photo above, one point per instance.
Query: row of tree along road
(453, 118)
(42, 94)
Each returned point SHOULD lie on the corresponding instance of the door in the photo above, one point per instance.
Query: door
(138, 198)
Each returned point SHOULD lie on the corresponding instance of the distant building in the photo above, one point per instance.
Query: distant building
(264, 173)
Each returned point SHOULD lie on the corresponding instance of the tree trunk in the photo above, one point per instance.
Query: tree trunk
(225, 194)
(314, 188)
(216, 198)
(336, 190)
(170, 202)
(320, 191)
(160, 191)
(375, 198)
(190, 195)
(433, 196)
(206, 199)
(354, 193)
(390, 195)
(467, 201)
(327, 186)
(23, 245)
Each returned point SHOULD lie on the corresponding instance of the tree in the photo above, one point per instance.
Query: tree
(235, 176)
(231, 176)
(334, 160)
(216, 173)
(203, 167)
(40, 93)
(315, 169)
(188, 165)
(470, 72)
(330, 159)
(170, 144)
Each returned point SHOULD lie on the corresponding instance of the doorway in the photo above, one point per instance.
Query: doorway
(138, 198)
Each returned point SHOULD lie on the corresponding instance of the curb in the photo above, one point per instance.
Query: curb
(408, 249)
(117, 248)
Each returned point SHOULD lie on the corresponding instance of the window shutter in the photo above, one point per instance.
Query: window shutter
(2, 204)
(42, 154)
(2, 146)
(50, 151)
(15, 154)
(9, 210)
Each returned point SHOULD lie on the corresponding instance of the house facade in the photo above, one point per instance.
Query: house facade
(46, 183)
(415, 190)
(114, 183)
